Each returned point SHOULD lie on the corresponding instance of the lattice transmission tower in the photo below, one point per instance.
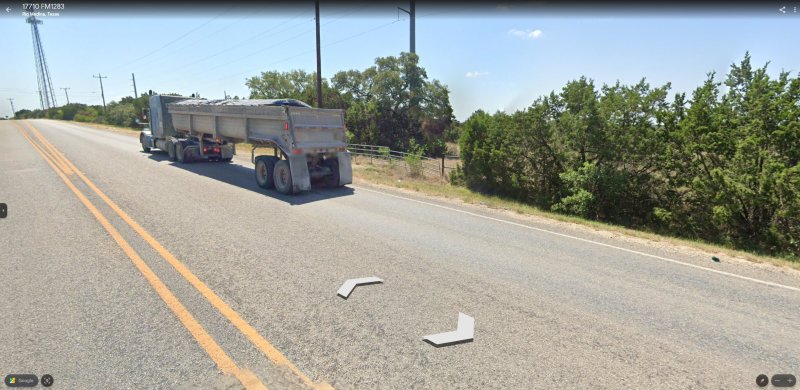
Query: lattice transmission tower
(47, 96)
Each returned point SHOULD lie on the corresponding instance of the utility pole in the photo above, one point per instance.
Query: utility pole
(102, 93)
(411, 14)
(135, 94)
(13, 111)
(319, 62)
(66, 93)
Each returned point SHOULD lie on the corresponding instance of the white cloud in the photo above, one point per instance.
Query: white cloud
(525, 34)
(475, 74)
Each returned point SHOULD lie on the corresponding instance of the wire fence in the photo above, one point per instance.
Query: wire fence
(414, 163)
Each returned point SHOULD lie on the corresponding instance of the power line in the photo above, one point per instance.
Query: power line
(248, 41)
(201, 40)
(174, 40)
(304, 52)
(447, 10)
(361, 33)
(17, 90)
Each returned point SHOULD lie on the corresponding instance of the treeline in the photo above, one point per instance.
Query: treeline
(122, 113)
(390, 104)
(721, 166)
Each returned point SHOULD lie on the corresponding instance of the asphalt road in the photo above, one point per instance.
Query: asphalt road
(555, 306)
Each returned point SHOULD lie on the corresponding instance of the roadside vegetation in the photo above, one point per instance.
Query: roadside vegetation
(124, 113)
(721, 166)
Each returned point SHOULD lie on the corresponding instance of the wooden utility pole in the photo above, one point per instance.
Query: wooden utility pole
(319, 61)
(102, 93)
(135, 93)
(66, 93)
(412, 15)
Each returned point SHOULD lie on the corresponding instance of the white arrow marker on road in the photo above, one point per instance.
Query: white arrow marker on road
(463, 334)
(350, 284)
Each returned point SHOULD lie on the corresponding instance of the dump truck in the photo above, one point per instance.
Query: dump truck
(307, 144)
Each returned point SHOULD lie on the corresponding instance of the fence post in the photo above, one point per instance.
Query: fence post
(442, 164)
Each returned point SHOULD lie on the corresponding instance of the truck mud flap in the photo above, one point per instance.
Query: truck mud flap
(301, 181)
(345, 168)
(146, 139)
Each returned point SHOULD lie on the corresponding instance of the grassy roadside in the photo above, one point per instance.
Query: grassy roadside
(396, 176)
(101, 126)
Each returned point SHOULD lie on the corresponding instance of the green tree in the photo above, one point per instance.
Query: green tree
(388, 104)
(295, 84)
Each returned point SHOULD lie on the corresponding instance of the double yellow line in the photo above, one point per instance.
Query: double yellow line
(64, 168)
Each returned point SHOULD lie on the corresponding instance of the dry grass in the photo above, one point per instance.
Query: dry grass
(379, 172)
(116, 129)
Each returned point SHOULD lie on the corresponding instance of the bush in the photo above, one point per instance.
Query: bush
(88, 114)
(414, 162)
(456, 177)
(121, 115)
(414, 158)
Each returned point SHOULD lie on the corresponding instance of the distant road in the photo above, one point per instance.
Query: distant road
(242, 285)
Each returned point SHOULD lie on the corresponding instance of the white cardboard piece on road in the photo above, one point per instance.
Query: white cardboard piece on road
(463, 334)
(350, 284)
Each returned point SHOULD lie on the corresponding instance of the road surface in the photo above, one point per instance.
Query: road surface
(242, 282)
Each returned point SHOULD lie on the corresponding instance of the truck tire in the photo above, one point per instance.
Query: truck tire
(283, 177)
(171, 151)
(265, 166)
(180, 151)
(333, 179)
(145, 149)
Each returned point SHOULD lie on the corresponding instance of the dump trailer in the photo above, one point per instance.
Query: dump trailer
(307, 144)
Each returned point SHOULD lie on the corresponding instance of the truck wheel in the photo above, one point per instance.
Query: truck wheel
(265, 166)
(145, 149)
(180, 151)
(171, 151)
(333, 179)
(283, 177)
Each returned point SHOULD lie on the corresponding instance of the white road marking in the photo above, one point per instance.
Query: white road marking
(463, 333)
(766, 283)
(350, 284)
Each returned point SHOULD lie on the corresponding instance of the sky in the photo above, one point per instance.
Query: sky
(490, 56)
